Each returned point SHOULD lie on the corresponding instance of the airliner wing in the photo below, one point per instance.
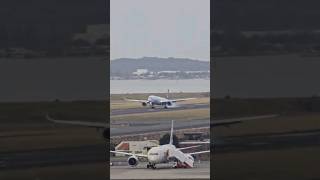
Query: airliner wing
(79, 123)
(178, 100)
(230, 121)
(129, 154)
(135, 100)
(200, 152)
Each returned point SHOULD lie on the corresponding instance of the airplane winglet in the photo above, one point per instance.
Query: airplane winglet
(49, 118)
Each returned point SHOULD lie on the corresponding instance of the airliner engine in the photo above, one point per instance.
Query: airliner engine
(133, 161)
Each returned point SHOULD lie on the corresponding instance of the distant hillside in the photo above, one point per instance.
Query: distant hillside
(128, 65)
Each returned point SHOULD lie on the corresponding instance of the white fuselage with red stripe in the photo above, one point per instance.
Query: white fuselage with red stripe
(164, 154)
(167, 153)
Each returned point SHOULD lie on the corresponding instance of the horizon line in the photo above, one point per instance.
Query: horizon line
(160, 58)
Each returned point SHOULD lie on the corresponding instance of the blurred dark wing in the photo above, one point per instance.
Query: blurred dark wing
(78, 123)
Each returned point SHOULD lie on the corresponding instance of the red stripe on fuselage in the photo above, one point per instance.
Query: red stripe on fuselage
(187, 165)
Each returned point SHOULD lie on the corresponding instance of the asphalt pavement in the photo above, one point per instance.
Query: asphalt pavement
(115, 112)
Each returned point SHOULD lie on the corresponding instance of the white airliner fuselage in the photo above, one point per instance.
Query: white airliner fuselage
(162, 154)
(153, 101)
(160, 101)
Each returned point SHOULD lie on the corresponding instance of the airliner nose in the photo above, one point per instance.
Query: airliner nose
(151, 159)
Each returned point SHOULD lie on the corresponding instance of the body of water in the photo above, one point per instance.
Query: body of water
(159, 86)
(266, 76)
(46, 79)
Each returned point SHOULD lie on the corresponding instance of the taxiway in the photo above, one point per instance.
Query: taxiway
(163, 171)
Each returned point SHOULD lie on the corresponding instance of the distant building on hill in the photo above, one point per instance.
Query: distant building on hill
(140, 72)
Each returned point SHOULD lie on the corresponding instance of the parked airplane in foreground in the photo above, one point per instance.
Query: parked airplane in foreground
(164, 154)
(153, 101)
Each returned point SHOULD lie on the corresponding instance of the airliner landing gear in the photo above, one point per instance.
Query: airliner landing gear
(179, 165)
(151, 166)
(175, 165)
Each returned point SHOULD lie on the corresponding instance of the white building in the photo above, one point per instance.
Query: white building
(140, 72)
(168, 72)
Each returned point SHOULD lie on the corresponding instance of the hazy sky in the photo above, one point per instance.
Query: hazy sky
(162, 28)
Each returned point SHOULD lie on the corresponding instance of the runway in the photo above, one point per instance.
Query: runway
(115, 112)
(137, 127)
(163, 171)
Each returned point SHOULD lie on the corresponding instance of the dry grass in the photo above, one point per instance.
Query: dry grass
(121, 104)
(124, 105)
(54, 138)
(181, 114)
(299, 163)
(66, 172)
(280, 124)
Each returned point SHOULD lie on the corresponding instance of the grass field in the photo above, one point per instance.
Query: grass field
(291, 164)
(60, 137)
(299, 163)
(121, 104)
(67, 172)
(281, 124)
(243, 107)
(165, 115)
(36, 112)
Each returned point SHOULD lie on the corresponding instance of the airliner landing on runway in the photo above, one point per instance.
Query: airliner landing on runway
(153, 101)
(164, 154)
